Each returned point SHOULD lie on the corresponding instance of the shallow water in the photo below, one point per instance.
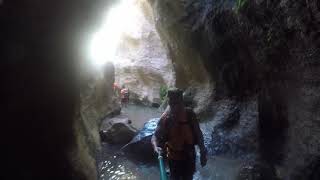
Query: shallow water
(112, 164)
(140, 114)
(119, 167)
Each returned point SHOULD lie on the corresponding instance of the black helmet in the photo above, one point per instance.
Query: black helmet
(175, 93)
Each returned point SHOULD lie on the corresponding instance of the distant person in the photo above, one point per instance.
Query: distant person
(176, 135)
(124, 96)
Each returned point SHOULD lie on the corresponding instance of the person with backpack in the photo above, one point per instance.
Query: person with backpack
(176, 135)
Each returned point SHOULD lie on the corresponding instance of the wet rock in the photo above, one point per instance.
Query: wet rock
(268, 49)
(117, 130)
(234, 128)
(97, 100)
(155, 105)
(257, 171)
(140, 147)
(311, 171)
(117, 111)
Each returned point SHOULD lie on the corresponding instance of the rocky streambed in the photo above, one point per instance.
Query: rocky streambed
(137, 161)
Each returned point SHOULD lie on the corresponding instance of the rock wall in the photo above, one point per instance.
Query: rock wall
(97, 100)
(265, 49)
(190, 71)
(50, 132)
(144, 65)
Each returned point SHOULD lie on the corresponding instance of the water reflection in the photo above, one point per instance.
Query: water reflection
(120, 168)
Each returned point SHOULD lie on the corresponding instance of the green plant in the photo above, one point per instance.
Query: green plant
(163, 92)
(240, 4)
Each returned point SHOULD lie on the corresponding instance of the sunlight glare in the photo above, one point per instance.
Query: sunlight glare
(121, 19)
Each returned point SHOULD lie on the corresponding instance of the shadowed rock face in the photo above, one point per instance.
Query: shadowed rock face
(234, 128)
(264, 49)
(42, 136)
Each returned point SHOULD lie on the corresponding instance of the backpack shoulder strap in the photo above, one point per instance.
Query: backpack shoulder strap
(166, 122)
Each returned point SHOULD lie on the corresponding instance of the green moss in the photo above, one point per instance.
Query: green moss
(240, 4)
(163, 92)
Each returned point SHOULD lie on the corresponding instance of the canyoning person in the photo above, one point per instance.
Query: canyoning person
(124, 96)
(176, 135)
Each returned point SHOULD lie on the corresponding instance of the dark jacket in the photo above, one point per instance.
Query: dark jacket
(165, 124)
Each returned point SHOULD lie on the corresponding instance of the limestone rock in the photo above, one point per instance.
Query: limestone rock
(117, 130)
(142, 62)
(97, 101)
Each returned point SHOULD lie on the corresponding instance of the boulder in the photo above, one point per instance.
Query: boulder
(155, 105)
(117, 130)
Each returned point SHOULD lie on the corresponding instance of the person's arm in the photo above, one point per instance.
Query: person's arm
(199, 139)
(158, 138)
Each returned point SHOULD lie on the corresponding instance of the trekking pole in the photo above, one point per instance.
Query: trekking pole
(163, 173)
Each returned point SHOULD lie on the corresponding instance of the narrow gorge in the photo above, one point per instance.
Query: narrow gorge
(249, 68)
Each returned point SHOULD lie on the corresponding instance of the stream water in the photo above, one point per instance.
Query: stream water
(113, 165)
